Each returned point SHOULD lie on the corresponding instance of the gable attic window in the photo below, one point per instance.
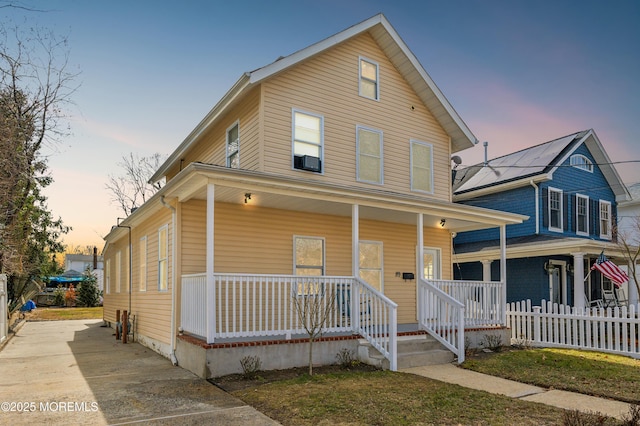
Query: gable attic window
(421, 167)
(555, 210)
(307, 141)
(581, 162)
(233, 146)
(369, 87)
(369, 147)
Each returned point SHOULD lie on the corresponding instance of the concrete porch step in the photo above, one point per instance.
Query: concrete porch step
(413, 351)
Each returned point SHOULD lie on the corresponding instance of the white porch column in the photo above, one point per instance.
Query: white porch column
(419, 261)
(210, 294)
(503, 270)
(578, 280)
(355, 239)
(486, 269)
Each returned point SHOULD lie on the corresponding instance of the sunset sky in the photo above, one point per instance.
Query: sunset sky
(519, 73)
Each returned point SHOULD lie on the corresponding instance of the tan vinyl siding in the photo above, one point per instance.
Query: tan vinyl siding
(328, 85)
(152, 308)
(260, 241)
(211, 146)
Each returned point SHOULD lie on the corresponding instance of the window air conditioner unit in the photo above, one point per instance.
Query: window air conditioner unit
(307, 162)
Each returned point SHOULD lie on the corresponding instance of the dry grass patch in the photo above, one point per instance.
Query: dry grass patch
(591, 373)
(53, 314)
(388, 398)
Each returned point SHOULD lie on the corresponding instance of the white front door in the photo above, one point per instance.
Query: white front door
(558, 283)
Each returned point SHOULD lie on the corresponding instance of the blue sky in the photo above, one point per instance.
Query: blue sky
(519, 73)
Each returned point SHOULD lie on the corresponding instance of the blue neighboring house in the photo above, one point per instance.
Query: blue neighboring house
(570, 190)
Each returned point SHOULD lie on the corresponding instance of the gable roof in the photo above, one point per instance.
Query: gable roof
(393, 47)
(537, 163)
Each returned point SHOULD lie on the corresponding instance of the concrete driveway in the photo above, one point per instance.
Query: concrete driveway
(75, 372)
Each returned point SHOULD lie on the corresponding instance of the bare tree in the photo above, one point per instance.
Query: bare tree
(132, 189)
(314, 305)
(628, 240)
(35, 87)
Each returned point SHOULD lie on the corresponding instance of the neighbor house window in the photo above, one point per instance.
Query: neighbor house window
(421, 167)
(555, 210)
(233, 146)
(107, 276)
(371, 263)
(581, 162)
(142, 260)
(307, 141)
(369, 78)
(369, 147)
(163, 258)
(118, 270)
(582, 214)
(431, 263)
(605, 219)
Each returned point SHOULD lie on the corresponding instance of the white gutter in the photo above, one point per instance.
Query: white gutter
(537, 190)
(174, 360)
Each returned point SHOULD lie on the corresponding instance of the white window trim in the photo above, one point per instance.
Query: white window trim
(578, 232)
(293, 138)
(142, 264)
(360, 78)
(586, 164)
(561, 220)
(226, 151)
(378, 243)
(413, 142)
(602, 203)
(118, 270)
(379, 132)
(438, 252)
(107, 276)
(163, 228)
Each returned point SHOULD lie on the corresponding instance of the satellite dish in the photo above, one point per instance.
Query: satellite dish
(456, 159)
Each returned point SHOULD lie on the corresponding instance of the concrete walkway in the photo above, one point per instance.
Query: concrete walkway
(450, 373)
(75, 372)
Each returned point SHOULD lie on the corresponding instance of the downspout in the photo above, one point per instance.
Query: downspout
(537, 206)
(130, 263)
(174, 360)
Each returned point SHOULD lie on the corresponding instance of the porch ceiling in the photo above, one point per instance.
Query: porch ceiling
(311, 196)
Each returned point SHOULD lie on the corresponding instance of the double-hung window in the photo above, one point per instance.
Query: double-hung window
(555, 210)
(142, 260)
(369, 147)
(582, 214)
(371, 263)
(163, 258)
(307, 141)
(431, 263)
(421, 167)
(369, 79)
(605, 219)
(308, 261)
(107, 276)
(118, 270)
(233, 146)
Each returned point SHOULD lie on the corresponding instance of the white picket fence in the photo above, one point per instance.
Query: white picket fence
(551, 325)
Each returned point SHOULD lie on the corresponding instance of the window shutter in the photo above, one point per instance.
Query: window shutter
(594, 213)
(614, 223)
(545, 207)
(574, 217)
(565, 212)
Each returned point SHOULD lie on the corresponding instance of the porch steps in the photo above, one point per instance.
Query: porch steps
(413, 351)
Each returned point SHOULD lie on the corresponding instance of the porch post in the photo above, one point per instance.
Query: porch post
(503, 271)
(578, 281)
(486, 270)
(419, 263)
(632, 297)
(210, 293)
(355, 266)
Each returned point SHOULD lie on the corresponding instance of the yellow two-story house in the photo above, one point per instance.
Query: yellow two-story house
(324, 176)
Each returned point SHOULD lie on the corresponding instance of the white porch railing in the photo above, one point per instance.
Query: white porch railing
(484, 301)
(441, 316)
(551, 325)
(248, 305)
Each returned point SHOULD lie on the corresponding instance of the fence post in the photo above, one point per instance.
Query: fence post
(536, 323)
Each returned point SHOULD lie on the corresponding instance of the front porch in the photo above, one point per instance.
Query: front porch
(254, 310)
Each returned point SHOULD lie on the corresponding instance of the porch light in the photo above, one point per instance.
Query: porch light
(247, 197)
(549, 268)
(442, 222)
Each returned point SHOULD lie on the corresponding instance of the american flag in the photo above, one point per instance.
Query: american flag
(610, 270)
